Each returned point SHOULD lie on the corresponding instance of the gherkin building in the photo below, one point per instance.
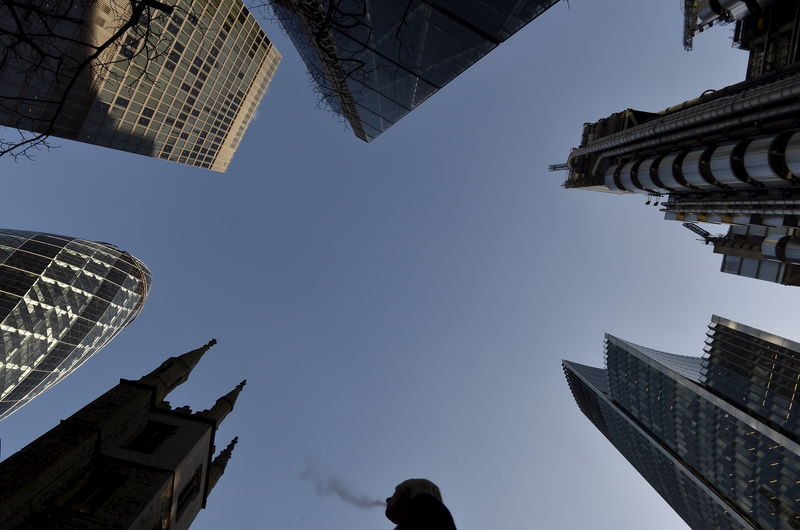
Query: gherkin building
(717, 436)
(61, 300)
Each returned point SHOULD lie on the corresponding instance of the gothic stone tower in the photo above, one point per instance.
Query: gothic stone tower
(126, 460)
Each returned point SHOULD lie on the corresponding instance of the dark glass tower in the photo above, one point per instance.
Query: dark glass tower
(374, 61)
(61, 300)
(718, 437)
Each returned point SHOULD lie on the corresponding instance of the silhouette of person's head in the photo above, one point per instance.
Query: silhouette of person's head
(397, 505)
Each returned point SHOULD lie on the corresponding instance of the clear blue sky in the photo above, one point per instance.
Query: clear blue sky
(400, 308)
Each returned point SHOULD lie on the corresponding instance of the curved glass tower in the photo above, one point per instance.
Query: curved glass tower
(61, 300)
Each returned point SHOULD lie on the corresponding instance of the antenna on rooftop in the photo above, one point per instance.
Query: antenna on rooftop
(559, 167)
(689, 24)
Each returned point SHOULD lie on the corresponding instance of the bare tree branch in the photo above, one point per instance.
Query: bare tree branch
(343, 69)
(51, 49)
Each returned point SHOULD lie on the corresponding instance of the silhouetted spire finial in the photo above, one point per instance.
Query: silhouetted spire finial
(224, 405)
(175, 371)
(217, 467)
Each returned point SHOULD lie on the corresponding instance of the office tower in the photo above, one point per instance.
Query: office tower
(373, 62)
(61, 300)
(125, 460)
(181, 84)
(718, 437)
(730, 156)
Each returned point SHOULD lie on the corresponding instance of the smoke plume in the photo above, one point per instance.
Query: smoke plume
(327, 485)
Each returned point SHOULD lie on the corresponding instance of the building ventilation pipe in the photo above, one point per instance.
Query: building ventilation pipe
(766, 203)
(706, 129)
(730, 105)
(664, 123)
(708, 11)
(705, 210)
(772, 247)
(737, 8)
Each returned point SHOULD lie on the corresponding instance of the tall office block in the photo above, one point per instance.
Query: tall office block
(182, 87)
(127, 460)
(718, 437)
(373, 62)
(62, 299)
(730, 156)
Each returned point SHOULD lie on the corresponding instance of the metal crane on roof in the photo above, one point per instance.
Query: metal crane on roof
(705, 234)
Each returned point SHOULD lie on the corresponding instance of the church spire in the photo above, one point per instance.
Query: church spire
(217, 467)
(224, 405)
(174, 371)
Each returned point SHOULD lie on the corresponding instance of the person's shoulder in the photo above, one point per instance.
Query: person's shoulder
(428, 513)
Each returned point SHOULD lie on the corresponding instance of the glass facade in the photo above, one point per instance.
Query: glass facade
(186, 95)
(715, 436)
(375, 61)
(61, 300)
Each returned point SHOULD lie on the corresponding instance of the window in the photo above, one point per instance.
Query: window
(152, 436)
(188, 493)
(95, 491)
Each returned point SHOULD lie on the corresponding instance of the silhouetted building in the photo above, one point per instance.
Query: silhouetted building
(730, 156)
(62, 299)
(718, 437)
(126, 460)
(373, 62)
(182, 88)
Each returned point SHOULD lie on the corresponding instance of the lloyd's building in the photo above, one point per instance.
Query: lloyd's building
(729, 157)
(718, 436)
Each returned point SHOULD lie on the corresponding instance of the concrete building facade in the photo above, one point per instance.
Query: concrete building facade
(182, 86)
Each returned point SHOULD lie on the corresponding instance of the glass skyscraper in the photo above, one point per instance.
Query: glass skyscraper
(717, 436)
(186, 92)
(373, 62)
(61, 300)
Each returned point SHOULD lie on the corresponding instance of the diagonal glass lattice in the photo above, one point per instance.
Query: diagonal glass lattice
(61, 300)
